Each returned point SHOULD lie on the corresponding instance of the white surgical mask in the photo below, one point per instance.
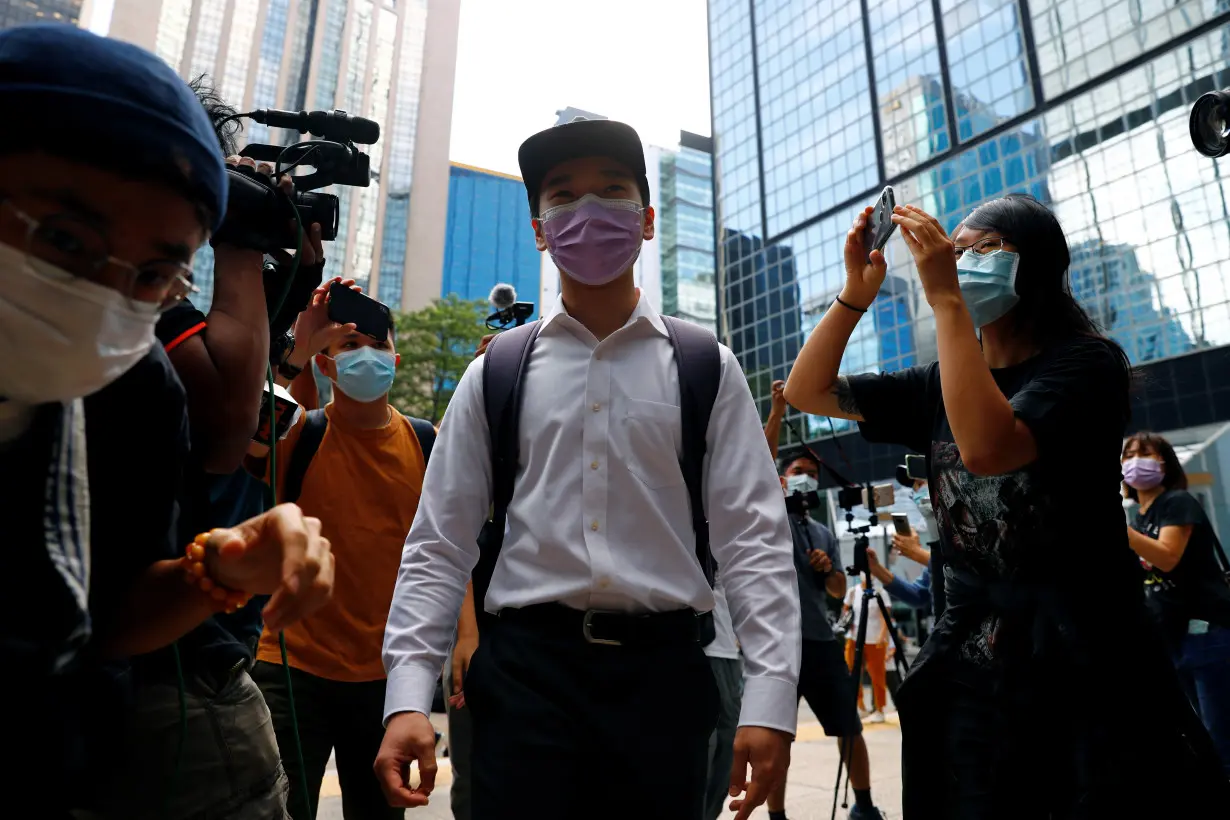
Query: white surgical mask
(801, 484)
(64, 337)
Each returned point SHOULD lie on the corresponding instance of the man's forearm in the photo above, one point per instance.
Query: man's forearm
(835, 584)
(159, 609)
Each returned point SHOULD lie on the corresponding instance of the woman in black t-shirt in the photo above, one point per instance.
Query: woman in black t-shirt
(1022, 420)
(1185, 582)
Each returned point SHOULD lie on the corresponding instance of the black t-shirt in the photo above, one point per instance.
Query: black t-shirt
(809, 534)
(1196, 587)
(1016, 546)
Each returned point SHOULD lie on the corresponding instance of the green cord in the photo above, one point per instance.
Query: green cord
(290, 690)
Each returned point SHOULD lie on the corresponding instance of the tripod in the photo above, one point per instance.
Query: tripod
(862, 572)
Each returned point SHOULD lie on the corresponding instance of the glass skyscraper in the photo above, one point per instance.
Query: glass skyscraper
(388, 60)
(685, 230)
(489, 239)
(18, 12)
(817, 104)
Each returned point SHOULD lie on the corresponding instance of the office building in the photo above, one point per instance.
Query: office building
(392, 62)
(817, 104)
(676, 270)
(19, 12)
(488, 239)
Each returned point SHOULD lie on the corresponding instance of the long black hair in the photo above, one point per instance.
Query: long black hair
(1047, 312)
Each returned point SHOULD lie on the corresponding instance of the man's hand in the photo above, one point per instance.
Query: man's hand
(467, 644)
(911, 547)
(820, 561)
(482, 346)
(408, 737)
(877, 569)
(314, 330)
(279, 553)
(778, 408)
(768, 753)
(229, 259)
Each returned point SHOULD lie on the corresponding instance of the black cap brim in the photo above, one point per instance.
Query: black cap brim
(580, 138)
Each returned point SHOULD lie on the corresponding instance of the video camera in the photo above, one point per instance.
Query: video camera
(1209, 123)
(259, 215)
(508, 311)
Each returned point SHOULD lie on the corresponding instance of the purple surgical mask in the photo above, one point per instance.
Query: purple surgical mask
(1141, 473)
(594, 240)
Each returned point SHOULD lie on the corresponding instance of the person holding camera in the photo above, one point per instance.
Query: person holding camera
(1021, 419)
(1187, 577)
(825, 679)
(101, 210)
(358, 464)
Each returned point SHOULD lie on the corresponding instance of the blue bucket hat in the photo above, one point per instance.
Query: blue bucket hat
(65, 82)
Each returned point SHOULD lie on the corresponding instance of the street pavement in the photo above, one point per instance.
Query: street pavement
(809, 795)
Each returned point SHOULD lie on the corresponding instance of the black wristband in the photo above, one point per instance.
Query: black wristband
(849, 306)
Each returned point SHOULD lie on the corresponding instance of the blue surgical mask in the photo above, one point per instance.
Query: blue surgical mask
(801, 484)
(988, 284)
(922, 497)
(365, 374)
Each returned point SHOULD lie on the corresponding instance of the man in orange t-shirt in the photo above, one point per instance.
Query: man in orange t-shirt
(363, 483)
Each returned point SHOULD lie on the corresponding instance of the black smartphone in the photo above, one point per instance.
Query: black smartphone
(370, 317)
(880, 225)
(916, 467)
(901, 523)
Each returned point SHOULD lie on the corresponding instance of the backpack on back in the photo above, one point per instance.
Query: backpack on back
(313, 433)
(699, 363)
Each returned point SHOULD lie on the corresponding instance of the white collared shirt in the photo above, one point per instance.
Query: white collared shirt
(600, 517)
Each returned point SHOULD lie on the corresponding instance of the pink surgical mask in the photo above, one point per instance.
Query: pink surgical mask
(1141, 473)
(594, 240)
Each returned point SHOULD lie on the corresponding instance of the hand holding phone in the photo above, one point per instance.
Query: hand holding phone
(901, 523)
(880, 225)
(348, 306)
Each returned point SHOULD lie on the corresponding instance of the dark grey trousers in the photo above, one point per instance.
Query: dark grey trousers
(728, 674)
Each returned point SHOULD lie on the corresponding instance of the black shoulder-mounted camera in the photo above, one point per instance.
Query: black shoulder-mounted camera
(259, 215)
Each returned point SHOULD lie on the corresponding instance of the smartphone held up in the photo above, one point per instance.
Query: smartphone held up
(880, 225)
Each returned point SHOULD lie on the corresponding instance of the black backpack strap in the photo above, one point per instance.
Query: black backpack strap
(426, 433)
(504, 364)
(699, 361)
(313, 433)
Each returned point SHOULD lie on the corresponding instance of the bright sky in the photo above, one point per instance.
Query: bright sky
(645, 62)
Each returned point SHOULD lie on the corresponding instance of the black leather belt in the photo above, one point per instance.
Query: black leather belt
(679, 627)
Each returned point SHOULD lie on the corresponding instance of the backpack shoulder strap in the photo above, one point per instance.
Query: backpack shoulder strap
(698, 358)
(504, 365)
(313, 433)
(426, 433)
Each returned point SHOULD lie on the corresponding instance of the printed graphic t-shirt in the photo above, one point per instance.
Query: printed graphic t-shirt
(364, 486)
(1017, 546)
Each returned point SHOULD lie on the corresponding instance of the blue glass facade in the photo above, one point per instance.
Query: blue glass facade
(685, 231)
(817, 104)
(488, 239)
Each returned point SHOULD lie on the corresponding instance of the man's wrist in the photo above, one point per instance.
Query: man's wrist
(857, 301)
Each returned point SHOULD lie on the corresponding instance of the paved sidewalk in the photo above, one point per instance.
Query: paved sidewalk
(809, 795)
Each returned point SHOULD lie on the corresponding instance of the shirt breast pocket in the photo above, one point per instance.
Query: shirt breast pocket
(650, 431)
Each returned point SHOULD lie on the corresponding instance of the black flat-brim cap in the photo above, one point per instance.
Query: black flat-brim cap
(573, 140)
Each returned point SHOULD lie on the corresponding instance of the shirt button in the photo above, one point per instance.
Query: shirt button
(603, 583)
(593, 465)
(598, 356)
(596, 407)
(594, 525)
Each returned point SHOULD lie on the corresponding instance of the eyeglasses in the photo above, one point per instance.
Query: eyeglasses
(82, 250)
(983, 247)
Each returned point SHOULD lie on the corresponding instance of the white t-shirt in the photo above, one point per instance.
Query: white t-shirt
(875, 619)
(724, 645)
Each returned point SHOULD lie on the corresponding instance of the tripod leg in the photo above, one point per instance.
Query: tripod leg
(899, 660)
(846, 745)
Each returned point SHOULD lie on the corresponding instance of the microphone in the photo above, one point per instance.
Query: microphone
(334, 125)
(508, 311)
(503, 296)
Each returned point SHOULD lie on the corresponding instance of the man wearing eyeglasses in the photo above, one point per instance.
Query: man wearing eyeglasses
(110, 179)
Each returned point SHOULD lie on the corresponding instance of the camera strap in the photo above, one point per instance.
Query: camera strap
(699, 363)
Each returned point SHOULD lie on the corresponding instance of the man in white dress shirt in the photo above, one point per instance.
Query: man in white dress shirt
(599, 522)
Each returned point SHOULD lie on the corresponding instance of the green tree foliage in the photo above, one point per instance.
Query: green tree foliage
(436, 345)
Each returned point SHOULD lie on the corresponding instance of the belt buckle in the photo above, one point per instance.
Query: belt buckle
(587, 631)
